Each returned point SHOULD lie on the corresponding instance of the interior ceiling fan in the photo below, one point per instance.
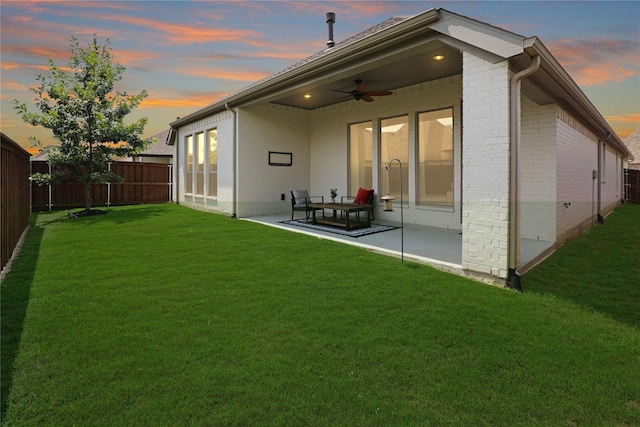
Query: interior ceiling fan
(360, 92)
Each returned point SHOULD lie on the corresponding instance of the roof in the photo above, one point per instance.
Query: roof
(160, 147)
(633, 143)
(390, 50)
(43, 154)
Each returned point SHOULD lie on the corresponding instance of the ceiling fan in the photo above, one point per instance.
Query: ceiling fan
(360, 92)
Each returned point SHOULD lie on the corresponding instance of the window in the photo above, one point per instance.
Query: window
(360, 157)
(435, 157)
(212, 166)
(200, 159)
(394, 144)
(188, 142)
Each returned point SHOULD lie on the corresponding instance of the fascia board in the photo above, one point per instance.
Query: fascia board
(483, 36)
(377, 41)
(533, 46)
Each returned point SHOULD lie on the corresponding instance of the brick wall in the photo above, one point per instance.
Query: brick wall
(538, 171)
(485, 166)
(577, 191)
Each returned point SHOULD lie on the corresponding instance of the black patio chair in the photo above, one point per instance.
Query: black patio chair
(300, 201)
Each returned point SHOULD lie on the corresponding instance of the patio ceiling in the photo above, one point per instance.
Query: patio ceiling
(378, 74)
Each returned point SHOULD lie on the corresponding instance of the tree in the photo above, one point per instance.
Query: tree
(87, 119)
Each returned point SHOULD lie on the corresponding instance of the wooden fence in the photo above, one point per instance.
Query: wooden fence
(143, 183)
(14, 200)
(633, 185)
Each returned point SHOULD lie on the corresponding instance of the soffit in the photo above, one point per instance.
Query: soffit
(383, 71)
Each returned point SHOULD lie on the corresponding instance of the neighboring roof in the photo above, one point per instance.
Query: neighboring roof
(160, 147)
(633, 143)
(43, 154)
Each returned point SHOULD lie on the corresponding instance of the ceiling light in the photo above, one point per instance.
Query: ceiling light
(438, 57)
(307, 96)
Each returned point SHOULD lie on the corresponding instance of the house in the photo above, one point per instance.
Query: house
(492, 137)
(158, 152)
(633, 143)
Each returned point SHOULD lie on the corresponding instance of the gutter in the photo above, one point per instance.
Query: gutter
(533, 46)
(513, 238)
(234, 149)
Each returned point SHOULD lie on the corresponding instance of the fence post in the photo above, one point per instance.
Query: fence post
(109, 188)
(170, 182)
(49, 187)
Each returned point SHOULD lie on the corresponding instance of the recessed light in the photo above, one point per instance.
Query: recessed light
(307, 96)
(438, 57)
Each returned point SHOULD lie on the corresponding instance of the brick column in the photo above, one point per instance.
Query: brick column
(485, 166)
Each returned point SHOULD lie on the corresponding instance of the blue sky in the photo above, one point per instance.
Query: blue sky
(189, 54)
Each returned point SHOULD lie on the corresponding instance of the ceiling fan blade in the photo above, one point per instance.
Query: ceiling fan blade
(379, 93)
(366, 97)
(342, 91)
(361, 87)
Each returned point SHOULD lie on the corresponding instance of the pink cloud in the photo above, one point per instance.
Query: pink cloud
(184, 34)
(211, 73)
(599, 61)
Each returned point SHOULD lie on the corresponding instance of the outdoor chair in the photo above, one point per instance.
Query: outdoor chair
(363, 197)
(300, 201)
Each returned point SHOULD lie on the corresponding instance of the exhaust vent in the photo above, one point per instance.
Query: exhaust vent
(331, 19)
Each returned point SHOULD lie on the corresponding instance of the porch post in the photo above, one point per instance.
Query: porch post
(485, 167)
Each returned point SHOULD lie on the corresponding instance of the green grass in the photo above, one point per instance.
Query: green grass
(600, 269)
(161, 315)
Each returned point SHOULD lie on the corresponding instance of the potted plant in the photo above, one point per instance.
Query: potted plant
(334, 194)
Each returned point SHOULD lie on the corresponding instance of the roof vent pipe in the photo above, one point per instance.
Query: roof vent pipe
(331, 19)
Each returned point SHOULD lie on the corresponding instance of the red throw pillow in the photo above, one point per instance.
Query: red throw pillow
(363, 196)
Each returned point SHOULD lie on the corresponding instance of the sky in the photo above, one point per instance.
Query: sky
(189, 54)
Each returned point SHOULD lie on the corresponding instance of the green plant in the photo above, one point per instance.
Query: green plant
(78, 105)
(334, 192)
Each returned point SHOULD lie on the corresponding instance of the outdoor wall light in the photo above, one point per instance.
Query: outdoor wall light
(388, 202)
(438, 57)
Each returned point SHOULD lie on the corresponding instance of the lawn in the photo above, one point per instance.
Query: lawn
(161, 315)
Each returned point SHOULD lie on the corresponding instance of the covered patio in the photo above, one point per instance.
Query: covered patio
(440, 248)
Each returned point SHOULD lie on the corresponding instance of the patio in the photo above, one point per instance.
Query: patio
(438, 247)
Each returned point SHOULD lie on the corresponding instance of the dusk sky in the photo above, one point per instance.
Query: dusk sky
(189, 54)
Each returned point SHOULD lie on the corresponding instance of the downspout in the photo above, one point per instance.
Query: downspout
(176, 169)
(601, 149)
(233, 162)
(513, 240)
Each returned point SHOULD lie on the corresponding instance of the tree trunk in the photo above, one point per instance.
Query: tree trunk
(87, 196)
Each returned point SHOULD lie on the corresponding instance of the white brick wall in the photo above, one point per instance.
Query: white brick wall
(538, 171)
(485, 166)
(224, 123)
(611, 179)
(577, 157)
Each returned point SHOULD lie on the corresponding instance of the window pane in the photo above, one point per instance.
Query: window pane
(200, 155)
(212, 189)
(394, 144)
(188, 184)
(360, 157)
(435, 157)
(200, 159)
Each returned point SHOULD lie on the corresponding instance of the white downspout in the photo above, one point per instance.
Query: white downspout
(234, 111)
(601, 149)
(513, 240)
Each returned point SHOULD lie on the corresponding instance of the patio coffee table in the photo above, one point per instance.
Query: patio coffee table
(346, 222)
